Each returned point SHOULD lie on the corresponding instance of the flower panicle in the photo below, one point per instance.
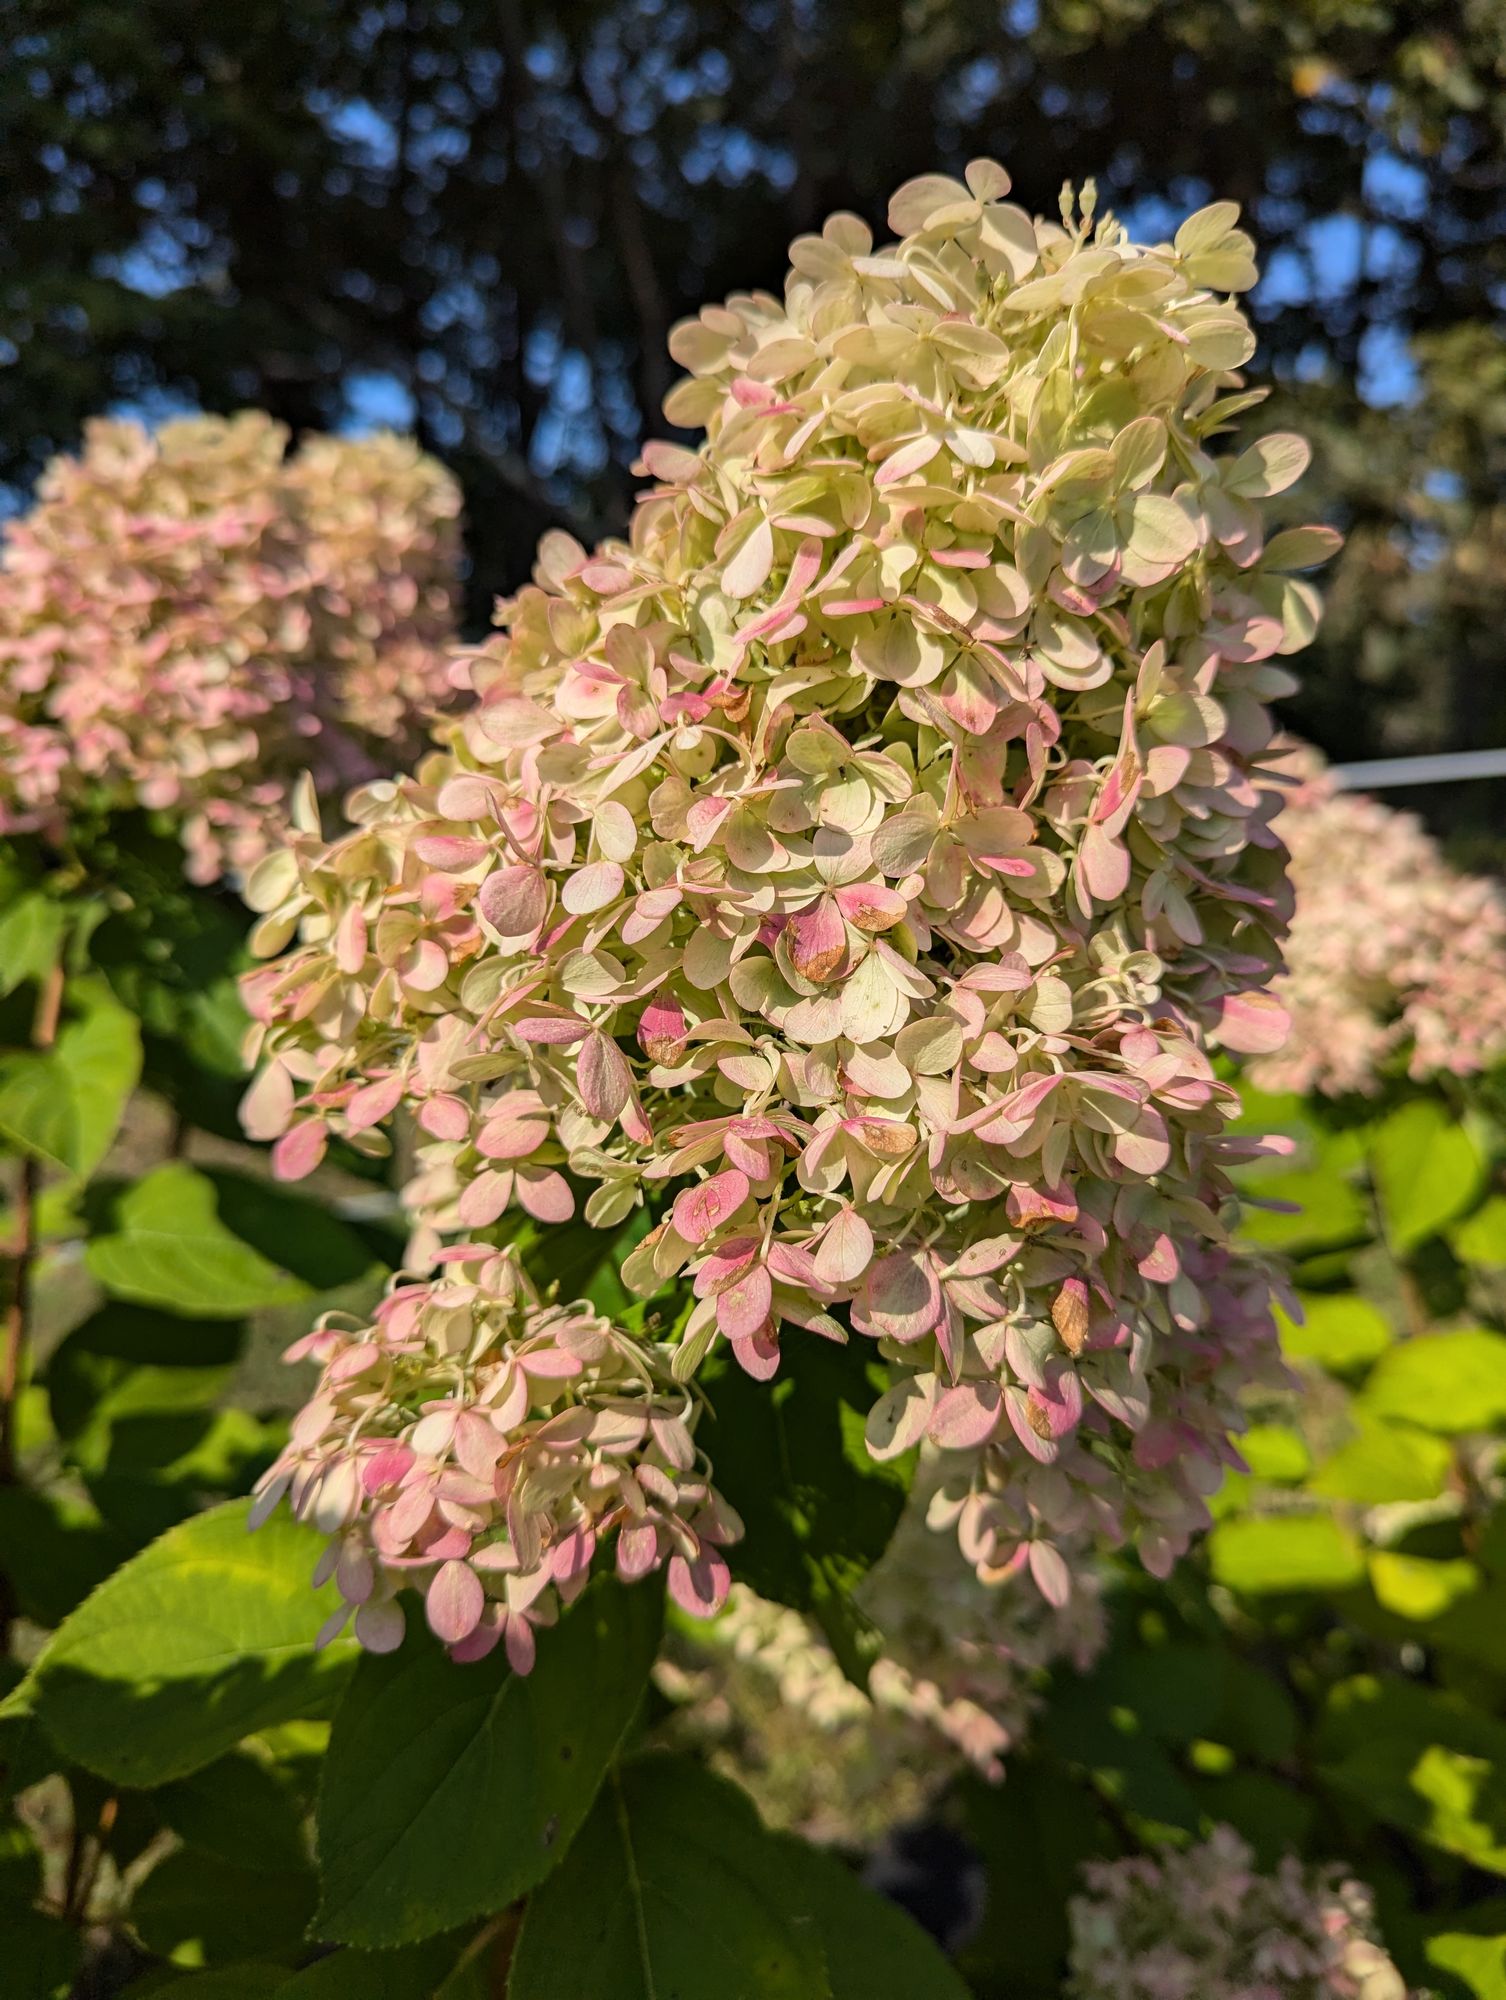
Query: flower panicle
(862, 865)
(482, 1447)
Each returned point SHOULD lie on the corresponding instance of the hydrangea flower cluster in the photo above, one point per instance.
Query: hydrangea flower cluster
(190, 619)
(860, 863)
(1395, 959)
(477, 1445)
(960, 1662)
(1205, 1925)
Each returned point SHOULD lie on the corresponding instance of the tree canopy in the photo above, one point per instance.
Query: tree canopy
(479, 218)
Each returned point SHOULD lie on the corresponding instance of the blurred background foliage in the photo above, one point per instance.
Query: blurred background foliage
(479, 218)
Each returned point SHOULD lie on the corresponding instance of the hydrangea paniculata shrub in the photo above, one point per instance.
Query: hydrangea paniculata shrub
(1205, 1925)
(1396, 962)
(190, 619)
(477, 1441)
(862, 862)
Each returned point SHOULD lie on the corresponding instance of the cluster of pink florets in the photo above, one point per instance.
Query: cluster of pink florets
(191, 619)
(1396, 962)
(860, 864)
(477, 1445)
(1205, 1924)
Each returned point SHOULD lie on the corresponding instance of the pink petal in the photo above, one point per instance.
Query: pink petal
(742, 1310)
(966, 1416)
(701, 1209)
(380, 1626)
(637, 1551)
(545, 1196)
(299, 1151)
(373, 1103)
(604, 1078)
(661, 1029)
(522, 1647)
(699, 1587)
(1052, 1577)
(455, 1602)
(514, 901)
(818, 941)
(846, 1249)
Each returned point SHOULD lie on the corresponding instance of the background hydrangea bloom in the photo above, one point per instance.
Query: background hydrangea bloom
(477, 1445)
(190, 619)
(1205, 1925)
(861, 863)
(1395, 960)
(957, 1676)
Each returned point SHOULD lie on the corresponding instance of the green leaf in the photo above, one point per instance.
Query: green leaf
(1275, 1452)
(423, 1827)
(55, 1549)
(1414, 1587)
(1473, 1949)
(64, 1105)
(41, 1955)
(1427, 1170)
(238, 1809)
(1421, 1761)
(671, 1888)
(1033, 1833)
(126, 1362)
(1258, 1556)
(227, 1982)
(1328, 1210)
(173, 1244)
(872, 1947)
(202, 1638)
(1386, 1461)
(417, 1972)
(1481, 1237)
(1339, 1331)
(203, 1907)
(31, 936)
(790, 1456)
(1447, 1382)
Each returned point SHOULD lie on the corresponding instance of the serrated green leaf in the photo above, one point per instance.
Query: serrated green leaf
(1427, 1170)
(513, 1760)
(198, 1641)
(672, 1887)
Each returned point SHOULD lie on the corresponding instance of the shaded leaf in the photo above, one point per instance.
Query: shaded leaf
(202, 1638)
(508, 1763)
(672, 1887)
